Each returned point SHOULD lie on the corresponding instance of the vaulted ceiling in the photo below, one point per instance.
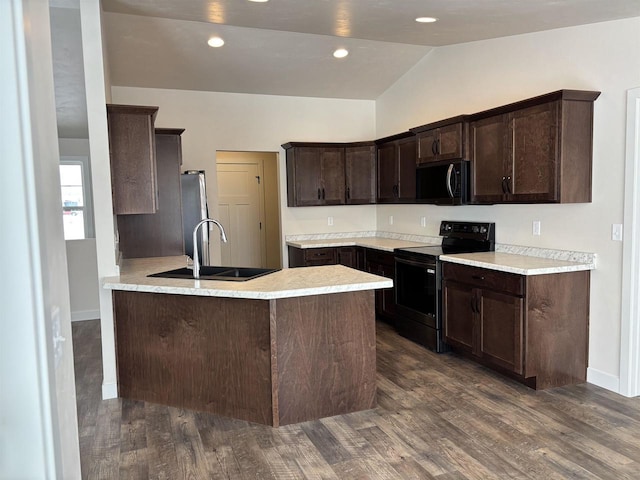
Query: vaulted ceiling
(285, 47)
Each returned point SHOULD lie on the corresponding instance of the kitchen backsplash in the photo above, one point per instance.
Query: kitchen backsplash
(567, 255)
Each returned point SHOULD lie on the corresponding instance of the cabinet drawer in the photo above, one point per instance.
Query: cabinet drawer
(320, 256)
(485, 278)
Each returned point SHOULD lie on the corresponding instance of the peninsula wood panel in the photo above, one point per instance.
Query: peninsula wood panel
(273, 362)
(326, 355)
(204, 353)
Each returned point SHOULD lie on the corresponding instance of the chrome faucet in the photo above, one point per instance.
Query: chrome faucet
(196, 260)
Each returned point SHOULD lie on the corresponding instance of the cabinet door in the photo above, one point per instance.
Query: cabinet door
(427, 146)
(407, 154)
(387, 173)
(351, 257)
(450, 142)
(307, 174)
(488, 140)
(534, 154)
(383, 264)
(501, 324)
(360, 175)
(459, 315)
(133, 159)
(333, 185)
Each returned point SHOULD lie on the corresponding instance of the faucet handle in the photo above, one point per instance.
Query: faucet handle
(189, 262)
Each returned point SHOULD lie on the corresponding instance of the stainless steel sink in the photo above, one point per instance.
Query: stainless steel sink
(232, 274)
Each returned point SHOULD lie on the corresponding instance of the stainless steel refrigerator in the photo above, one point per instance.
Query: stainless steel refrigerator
(194, 209)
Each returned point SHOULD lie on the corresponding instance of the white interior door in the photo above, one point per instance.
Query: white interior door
(241, 212)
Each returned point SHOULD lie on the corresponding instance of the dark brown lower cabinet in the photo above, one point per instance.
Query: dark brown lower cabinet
(309, 257)
(369, 260)
(351, 257)
(383, 263)
(532, 328)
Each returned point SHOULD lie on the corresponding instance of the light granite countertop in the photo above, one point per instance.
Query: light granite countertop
(520, 264)
(377, 243)
(290, 282)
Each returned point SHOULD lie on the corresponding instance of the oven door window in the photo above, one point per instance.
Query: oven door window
(417, 287)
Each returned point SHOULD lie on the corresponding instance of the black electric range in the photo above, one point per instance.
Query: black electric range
(419, 279)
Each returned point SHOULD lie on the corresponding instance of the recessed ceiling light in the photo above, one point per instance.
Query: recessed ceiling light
(426, 19)
(215, 42)
(341, 53)
(259, 1)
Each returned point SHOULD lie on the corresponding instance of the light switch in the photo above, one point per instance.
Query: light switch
(536, 227)
(390, 219)
(330, 221)
(616, 232)
(423, 221)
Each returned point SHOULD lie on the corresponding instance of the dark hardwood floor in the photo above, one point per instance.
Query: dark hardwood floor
(438, 417)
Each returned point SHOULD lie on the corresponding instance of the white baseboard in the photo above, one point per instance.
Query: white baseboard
(80, 315)
(109, 390)
(604, 380)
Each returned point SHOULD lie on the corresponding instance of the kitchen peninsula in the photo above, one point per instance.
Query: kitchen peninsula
(295, 345)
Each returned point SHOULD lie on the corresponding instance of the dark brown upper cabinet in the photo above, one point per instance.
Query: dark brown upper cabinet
(360, 162)
(133, 159)
(397, 169)
(535, 151)
(330, 173)
(443, 140)
(159, 234)
(315, 174)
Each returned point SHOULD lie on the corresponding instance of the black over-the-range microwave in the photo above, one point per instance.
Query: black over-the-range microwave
(443, 183)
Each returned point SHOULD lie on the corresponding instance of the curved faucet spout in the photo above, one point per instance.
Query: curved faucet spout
(196, 260)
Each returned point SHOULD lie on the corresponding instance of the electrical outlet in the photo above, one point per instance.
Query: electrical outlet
(330, 221)
(536, 227)
(423, 221)
(390, 219)
(616, 232)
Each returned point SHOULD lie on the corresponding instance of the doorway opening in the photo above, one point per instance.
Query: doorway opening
(249, 206)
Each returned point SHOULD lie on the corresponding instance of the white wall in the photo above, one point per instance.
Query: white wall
(81, 254)
(97, 88)
(39, 430)
(83, 279)
(227, 121)
(472, 77)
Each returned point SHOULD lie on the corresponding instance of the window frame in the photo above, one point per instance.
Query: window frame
(87, 208)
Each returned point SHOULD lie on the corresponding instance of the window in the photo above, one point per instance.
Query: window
(75, 185)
